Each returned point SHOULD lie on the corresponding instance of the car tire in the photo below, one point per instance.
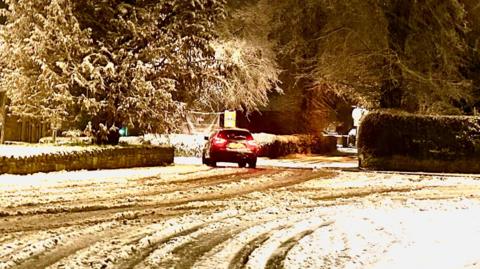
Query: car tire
(252, 163)
(242, 164)
(208, 161)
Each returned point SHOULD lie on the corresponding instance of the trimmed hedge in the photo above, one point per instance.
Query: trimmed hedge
(407, 142)
(274, 146)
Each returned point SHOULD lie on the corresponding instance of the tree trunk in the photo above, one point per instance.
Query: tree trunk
(3, 117)
(398, 16)
(54, 136)
(392, 95)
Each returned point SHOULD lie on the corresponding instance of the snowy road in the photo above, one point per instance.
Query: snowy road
(191, 216)
(302, 162)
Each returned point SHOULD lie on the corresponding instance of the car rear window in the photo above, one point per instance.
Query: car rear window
(235, 134)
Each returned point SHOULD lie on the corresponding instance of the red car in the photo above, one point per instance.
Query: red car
(230, 145)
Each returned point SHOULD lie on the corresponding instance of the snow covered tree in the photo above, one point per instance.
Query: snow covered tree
(247, 57)
(140, 63)
(405, 54)
(472, 70)
(427, 54)
(32, 56)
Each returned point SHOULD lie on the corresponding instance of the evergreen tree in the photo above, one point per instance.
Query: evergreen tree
(140, 63)
(396, 54)
(248, 56)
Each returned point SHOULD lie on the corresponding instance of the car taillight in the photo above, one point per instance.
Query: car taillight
(252, 145)
(219, 142)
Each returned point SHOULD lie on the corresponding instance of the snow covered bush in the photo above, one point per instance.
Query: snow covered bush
(184, 144)
(72, 133)
(274, 146)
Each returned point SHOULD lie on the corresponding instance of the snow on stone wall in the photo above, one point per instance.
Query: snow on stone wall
(88, 159)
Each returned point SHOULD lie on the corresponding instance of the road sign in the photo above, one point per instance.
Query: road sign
(230, 119)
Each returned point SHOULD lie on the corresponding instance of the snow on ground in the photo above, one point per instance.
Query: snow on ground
(193, 216)
(25, 150)
(119, 176)
(297, 161)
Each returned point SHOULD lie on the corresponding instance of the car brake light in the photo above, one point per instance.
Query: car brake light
(219, 142)
(252, 145)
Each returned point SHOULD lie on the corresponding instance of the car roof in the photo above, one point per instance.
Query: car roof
(233, 129)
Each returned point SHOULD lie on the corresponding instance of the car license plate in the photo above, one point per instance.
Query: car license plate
(236, 146)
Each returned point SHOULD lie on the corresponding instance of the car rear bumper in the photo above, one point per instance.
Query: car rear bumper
(232, 156)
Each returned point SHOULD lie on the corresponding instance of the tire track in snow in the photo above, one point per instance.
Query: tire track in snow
(271, 248)
(70, 249)
(339, 246)
(172, 229)
(262, 221)
(278, 257)
(186, 255)
(40, 222)
(237, 251)
(184, 252)
(241, 257)
(323, 248)
(138, 257)
(65, 216)
(51, 248)
(126, 197)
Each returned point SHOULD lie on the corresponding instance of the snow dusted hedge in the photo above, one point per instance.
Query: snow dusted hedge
(406, 142)
(88, 159)
(184, 144)
(274, 146)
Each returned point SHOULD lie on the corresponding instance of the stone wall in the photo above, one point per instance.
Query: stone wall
(91, 159)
